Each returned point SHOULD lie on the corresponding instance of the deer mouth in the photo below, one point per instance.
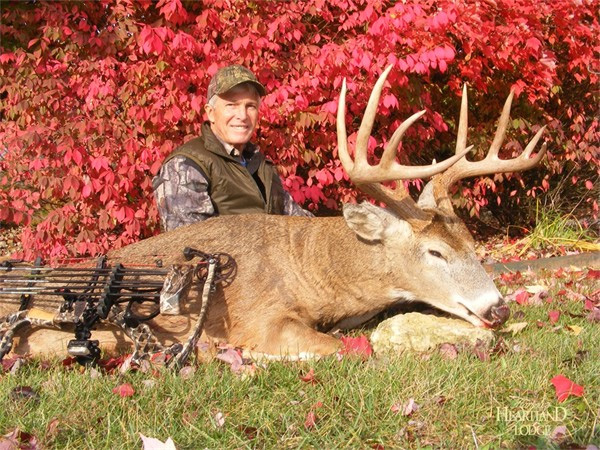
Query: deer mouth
(476, 319)
(498, 314)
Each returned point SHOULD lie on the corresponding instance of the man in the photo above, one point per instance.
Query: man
(221, 171)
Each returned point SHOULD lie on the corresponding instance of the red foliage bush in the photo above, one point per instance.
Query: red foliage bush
(93, 96)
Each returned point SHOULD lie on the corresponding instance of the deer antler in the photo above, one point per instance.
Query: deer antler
(368, 178)
(491, 163)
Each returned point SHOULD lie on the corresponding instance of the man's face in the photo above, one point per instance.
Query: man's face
(234, 115)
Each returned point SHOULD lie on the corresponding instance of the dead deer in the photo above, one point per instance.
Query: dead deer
(299, 277)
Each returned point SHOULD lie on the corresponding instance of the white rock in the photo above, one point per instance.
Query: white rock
(416, 332)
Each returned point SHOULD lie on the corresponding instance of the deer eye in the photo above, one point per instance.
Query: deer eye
(436, 254)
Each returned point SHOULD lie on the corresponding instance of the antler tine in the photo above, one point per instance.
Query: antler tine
(359, 170)
(389, 153)
(501, 129)
(463, 122)
(491, 163)
(364, 132)
(342, 136)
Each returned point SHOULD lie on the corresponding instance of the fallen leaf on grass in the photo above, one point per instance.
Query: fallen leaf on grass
(17, 364)
(575, 296)
(109, 364)
(68, 361)
(150, 443)
(359, 346)
(8, 363)
(219, 419)
(553, 316)
(249, 432)
(521, 296)
(160, 358)
(52, 427)
(124, 390)
(574, 330)
(514, 328)
(24, 393)
(187, 372)
(559, 433)
(518, 315)
(406, 409)
(536, 289)
(539, 294)
(18, 439)
(589, 305)
(311, 420)
(127, 365)
(594, 315)
(481, 350)
(309, 377)
(448, 351)
(233, 357)
(148, 384)
(311, 417)
(439, 400)
(500, 348)
(565, 388)
(593, 274)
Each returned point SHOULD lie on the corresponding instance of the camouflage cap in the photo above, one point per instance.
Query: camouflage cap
(229, 77)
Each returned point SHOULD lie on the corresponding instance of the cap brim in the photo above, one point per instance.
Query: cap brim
(259, 87)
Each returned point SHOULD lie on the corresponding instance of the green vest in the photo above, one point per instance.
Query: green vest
(231, 186)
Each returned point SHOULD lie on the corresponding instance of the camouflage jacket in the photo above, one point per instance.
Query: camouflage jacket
(182, 193)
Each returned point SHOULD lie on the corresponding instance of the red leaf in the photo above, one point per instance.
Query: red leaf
(7, 363)
(593, 274)
(86, 191)
(112, 363)
(533, 43)
(594, 316)
(68, 361)
(309, 377)
(356, 346)
(448, 351)
(406, 409)
(553, 316)
(310, 420)
(232, 357)
(124, 390)
(18, 439)
(565, 388)
(588, 305)
(521, 296)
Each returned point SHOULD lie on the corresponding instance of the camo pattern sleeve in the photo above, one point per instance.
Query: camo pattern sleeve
(291, 208)
(181, 193)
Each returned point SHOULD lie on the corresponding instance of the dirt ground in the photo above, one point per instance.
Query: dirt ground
(9, 240)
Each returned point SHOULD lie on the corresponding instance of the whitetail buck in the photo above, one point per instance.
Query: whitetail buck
(299, 277)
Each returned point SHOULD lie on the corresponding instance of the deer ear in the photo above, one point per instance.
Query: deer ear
(427, 199)
(373, 223)
(365, 220)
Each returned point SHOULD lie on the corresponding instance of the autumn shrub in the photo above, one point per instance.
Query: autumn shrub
(94, 95)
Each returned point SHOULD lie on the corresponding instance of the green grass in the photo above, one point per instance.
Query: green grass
(553, 230)
(462, 401)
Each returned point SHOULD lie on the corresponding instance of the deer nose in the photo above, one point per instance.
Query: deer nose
(499, 313)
